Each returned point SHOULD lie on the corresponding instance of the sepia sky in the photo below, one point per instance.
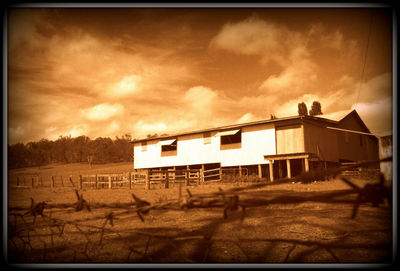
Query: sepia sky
(108, 72)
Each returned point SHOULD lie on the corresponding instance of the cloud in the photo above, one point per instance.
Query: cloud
(127, 86)
(102, 112)
(248, 117)
(376, 115)
(254, 36)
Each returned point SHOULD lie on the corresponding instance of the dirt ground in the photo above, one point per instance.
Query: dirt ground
(308, 232)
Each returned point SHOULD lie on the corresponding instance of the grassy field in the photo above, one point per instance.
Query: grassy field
(307, 232)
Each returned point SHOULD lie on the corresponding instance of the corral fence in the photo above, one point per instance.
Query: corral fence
(161, 178)
(146, 178)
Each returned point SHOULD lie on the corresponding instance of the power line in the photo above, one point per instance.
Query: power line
(365, 60)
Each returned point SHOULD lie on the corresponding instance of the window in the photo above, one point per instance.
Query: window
(144, 146)
(207, 138)
(230, 137)
(169, 145)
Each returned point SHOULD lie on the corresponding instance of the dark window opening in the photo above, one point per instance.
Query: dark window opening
(169, 147)
(231, 139)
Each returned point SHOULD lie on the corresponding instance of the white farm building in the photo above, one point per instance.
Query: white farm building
(269, 148)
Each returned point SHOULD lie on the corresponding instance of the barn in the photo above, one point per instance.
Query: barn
(274, 148)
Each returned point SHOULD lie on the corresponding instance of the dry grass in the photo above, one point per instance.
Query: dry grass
(311, 232)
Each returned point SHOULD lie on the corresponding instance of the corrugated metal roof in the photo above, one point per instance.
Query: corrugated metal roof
(235, 126)
(229, 132)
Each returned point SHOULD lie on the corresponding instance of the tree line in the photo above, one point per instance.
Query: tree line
(70, 150)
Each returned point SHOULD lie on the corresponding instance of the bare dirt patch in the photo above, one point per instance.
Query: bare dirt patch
(310, 232)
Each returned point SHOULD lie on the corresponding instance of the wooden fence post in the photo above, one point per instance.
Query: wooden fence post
(148, 180)
(166, 180)
(80, 182)
(187, 178)
(130, 180)
(97, 182)
(109, 182)
(52, 182)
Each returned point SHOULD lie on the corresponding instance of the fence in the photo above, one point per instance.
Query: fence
(129, 179)
(57, 237)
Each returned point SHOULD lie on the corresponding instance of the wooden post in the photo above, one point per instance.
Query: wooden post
(70, 180)
(80, 182)
(280, 173)
(166, 179)
(289, 172)
(259, 171)
(130, 180)
(240, 171)
(97, 182)
(174, 176)
(306, 165)
(148, 180)
(271, 171)
(202, 173)
(109, 182)
(220, 173)
(187, 178)
(52, 182)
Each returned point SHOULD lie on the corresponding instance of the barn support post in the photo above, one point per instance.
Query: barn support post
(259, 171)
(80, 182)
(306, 165)
(289, 173)
(280, 171)
(271, 171)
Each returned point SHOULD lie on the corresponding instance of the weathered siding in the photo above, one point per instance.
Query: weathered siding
(357, 147)
(289, 139)
(321, 141)
(257, 141)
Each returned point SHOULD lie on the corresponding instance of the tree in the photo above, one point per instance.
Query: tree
(315, 109)
(302, 109)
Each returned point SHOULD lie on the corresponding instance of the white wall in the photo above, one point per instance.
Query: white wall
(257, 141)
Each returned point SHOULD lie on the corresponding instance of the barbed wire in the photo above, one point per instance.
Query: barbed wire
(229, 201)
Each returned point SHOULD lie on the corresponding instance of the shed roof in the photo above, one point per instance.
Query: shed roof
(236, 126)
(335, 122)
